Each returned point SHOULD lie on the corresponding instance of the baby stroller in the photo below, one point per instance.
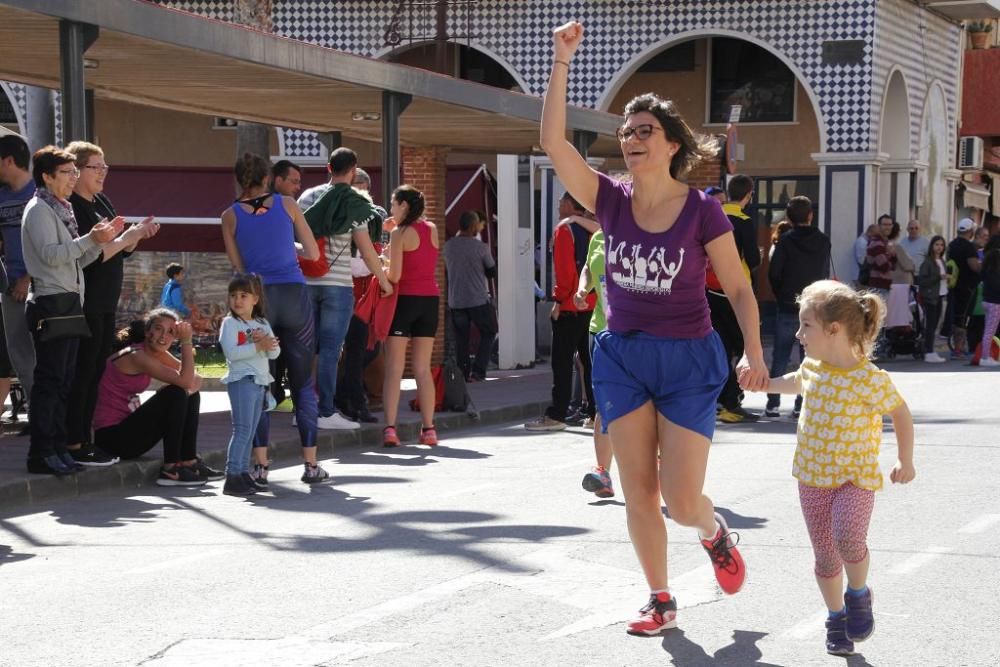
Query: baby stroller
(907, 338)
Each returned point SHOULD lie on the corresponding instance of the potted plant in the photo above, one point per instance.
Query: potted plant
(979, 33)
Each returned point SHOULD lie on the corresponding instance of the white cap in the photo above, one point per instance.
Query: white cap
(965, 225)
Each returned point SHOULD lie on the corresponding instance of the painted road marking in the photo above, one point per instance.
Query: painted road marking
(919, 560)
(174, 562)
(981, 524)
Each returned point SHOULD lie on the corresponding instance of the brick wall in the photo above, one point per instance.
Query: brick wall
(425, 169)
(707, 173)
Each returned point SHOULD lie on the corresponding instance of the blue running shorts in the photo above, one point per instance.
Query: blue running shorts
(682, 376)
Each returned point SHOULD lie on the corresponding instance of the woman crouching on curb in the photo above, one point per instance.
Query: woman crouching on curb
(127, 428)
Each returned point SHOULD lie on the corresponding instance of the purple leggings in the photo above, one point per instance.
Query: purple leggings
(992, 311)
(837, 520)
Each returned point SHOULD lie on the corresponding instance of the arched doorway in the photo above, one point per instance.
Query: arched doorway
(10, 112)
(471, 63)
(898, 173)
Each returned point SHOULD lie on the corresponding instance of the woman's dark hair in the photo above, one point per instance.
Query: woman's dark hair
(930, 246)
(896, 229)
(693, 147)
(251, 170)
(991, 258)
(414, 199)
(137, 330)
(47, 160)
(249, 283)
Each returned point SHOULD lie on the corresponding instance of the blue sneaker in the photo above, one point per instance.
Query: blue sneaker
(860, 620)
(837, 642)
(598, 482)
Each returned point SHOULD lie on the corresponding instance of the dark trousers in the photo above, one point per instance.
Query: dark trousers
(354, 358)
(724, 321)
(932, 314)
(170, 415)
(570, 336)
(90, 360)
(484, 321)
(786, 323)
(53, 378)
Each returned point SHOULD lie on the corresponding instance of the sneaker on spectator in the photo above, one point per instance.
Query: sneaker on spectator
(860, 619)
(988, 362)
(574, 418)
(207, 472)
(259, 475)
(730, 570)
(389, 437)
(239, 485)
(92, 457)
(598, 482)
(934, 358)
(337, 422)
(796, 411)
(428, 436)
(179, 476)
(588, 423)
(659, 614)
(774, 412)
(314, 474)
(545, 423)
(837, 642)
(737, 415)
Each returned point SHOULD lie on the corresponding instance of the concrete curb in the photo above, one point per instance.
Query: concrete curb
(38, 489)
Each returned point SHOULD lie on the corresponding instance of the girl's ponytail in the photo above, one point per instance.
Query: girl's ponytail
(874, 311)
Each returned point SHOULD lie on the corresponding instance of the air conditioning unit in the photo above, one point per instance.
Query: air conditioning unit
(970, 153)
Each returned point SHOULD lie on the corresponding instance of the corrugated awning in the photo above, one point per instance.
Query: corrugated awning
(166, 58)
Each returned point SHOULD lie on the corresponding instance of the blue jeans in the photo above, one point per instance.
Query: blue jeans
(786, 323)
(333, 307)
(246, 400)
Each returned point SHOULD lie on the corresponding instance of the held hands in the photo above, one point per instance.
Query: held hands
(580, 299)
(263, 342)
(902, 473)
(386, 286)
(752, 373)
(555, 311)
(567, 39)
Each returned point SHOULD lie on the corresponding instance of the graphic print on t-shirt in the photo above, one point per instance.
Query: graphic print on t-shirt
(644, 272)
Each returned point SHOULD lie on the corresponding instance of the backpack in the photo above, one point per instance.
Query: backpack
(456, 394)
(951, 267)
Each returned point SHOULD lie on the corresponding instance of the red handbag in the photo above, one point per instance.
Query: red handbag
(315, 268)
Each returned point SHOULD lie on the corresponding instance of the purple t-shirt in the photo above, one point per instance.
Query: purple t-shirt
(656, 282)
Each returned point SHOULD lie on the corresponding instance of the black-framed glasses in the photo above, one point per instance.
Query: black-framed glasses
(99, 167)
(641, 132)
(74, 172)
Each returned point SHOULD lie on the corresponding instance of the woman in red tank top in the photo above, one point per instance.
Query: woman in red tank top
(413, 258)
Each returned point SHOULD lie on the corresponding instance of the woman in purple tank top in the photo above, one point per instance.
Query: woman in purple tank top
(263, 231)
(659, 367)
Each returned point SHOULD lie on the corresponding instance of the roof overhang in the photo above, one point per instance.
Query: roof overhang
(157, 56)
(961, 10)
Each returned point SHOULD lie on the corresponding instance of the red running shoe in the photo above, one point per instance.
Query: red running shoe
(730, 570)
(428, 436)
(659, 614)
(389, 437)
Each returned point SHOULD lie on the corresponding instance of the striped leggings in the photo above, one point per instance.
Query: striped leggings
(837, 520)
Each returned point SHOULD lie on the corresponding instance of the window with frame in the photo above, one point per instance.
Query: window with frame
(745, 74)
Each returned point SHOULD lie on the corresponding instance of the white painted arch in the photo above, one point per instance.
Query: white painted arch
(385, 52)
(633, 65)
(894, 120)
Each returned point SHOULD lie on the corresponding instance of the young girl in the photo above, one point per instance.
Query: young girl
(248, 342)
(933, 281)
(839, 432)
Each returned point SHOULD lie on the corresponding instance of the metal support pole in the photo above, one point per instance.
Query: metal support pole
(90, 115)
(583, 140)
(74, 40)
(393, 105)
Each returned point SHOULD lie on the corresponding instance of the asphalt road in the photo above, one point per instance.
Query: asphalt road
(486, 551)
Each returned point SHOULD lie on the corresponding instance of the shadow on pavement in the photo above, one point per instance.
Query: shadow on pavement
(743, 650)
(7, 555)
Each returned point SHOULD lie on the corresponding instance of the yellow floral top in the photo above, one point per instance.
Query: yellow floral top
(840, 428)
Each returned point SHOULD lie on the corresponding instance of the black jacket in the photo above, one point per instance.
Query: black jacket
(801, 257)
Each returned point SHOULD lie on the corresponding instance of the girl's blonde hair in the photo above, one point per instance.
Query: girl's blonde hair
(860, 313)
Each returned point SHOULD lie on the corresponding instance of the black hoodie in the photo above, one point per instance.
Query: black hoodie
(801, 257)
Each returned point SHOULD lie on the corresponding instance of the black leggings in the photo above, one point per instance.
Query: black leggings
(90, 360)
(171, 415)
